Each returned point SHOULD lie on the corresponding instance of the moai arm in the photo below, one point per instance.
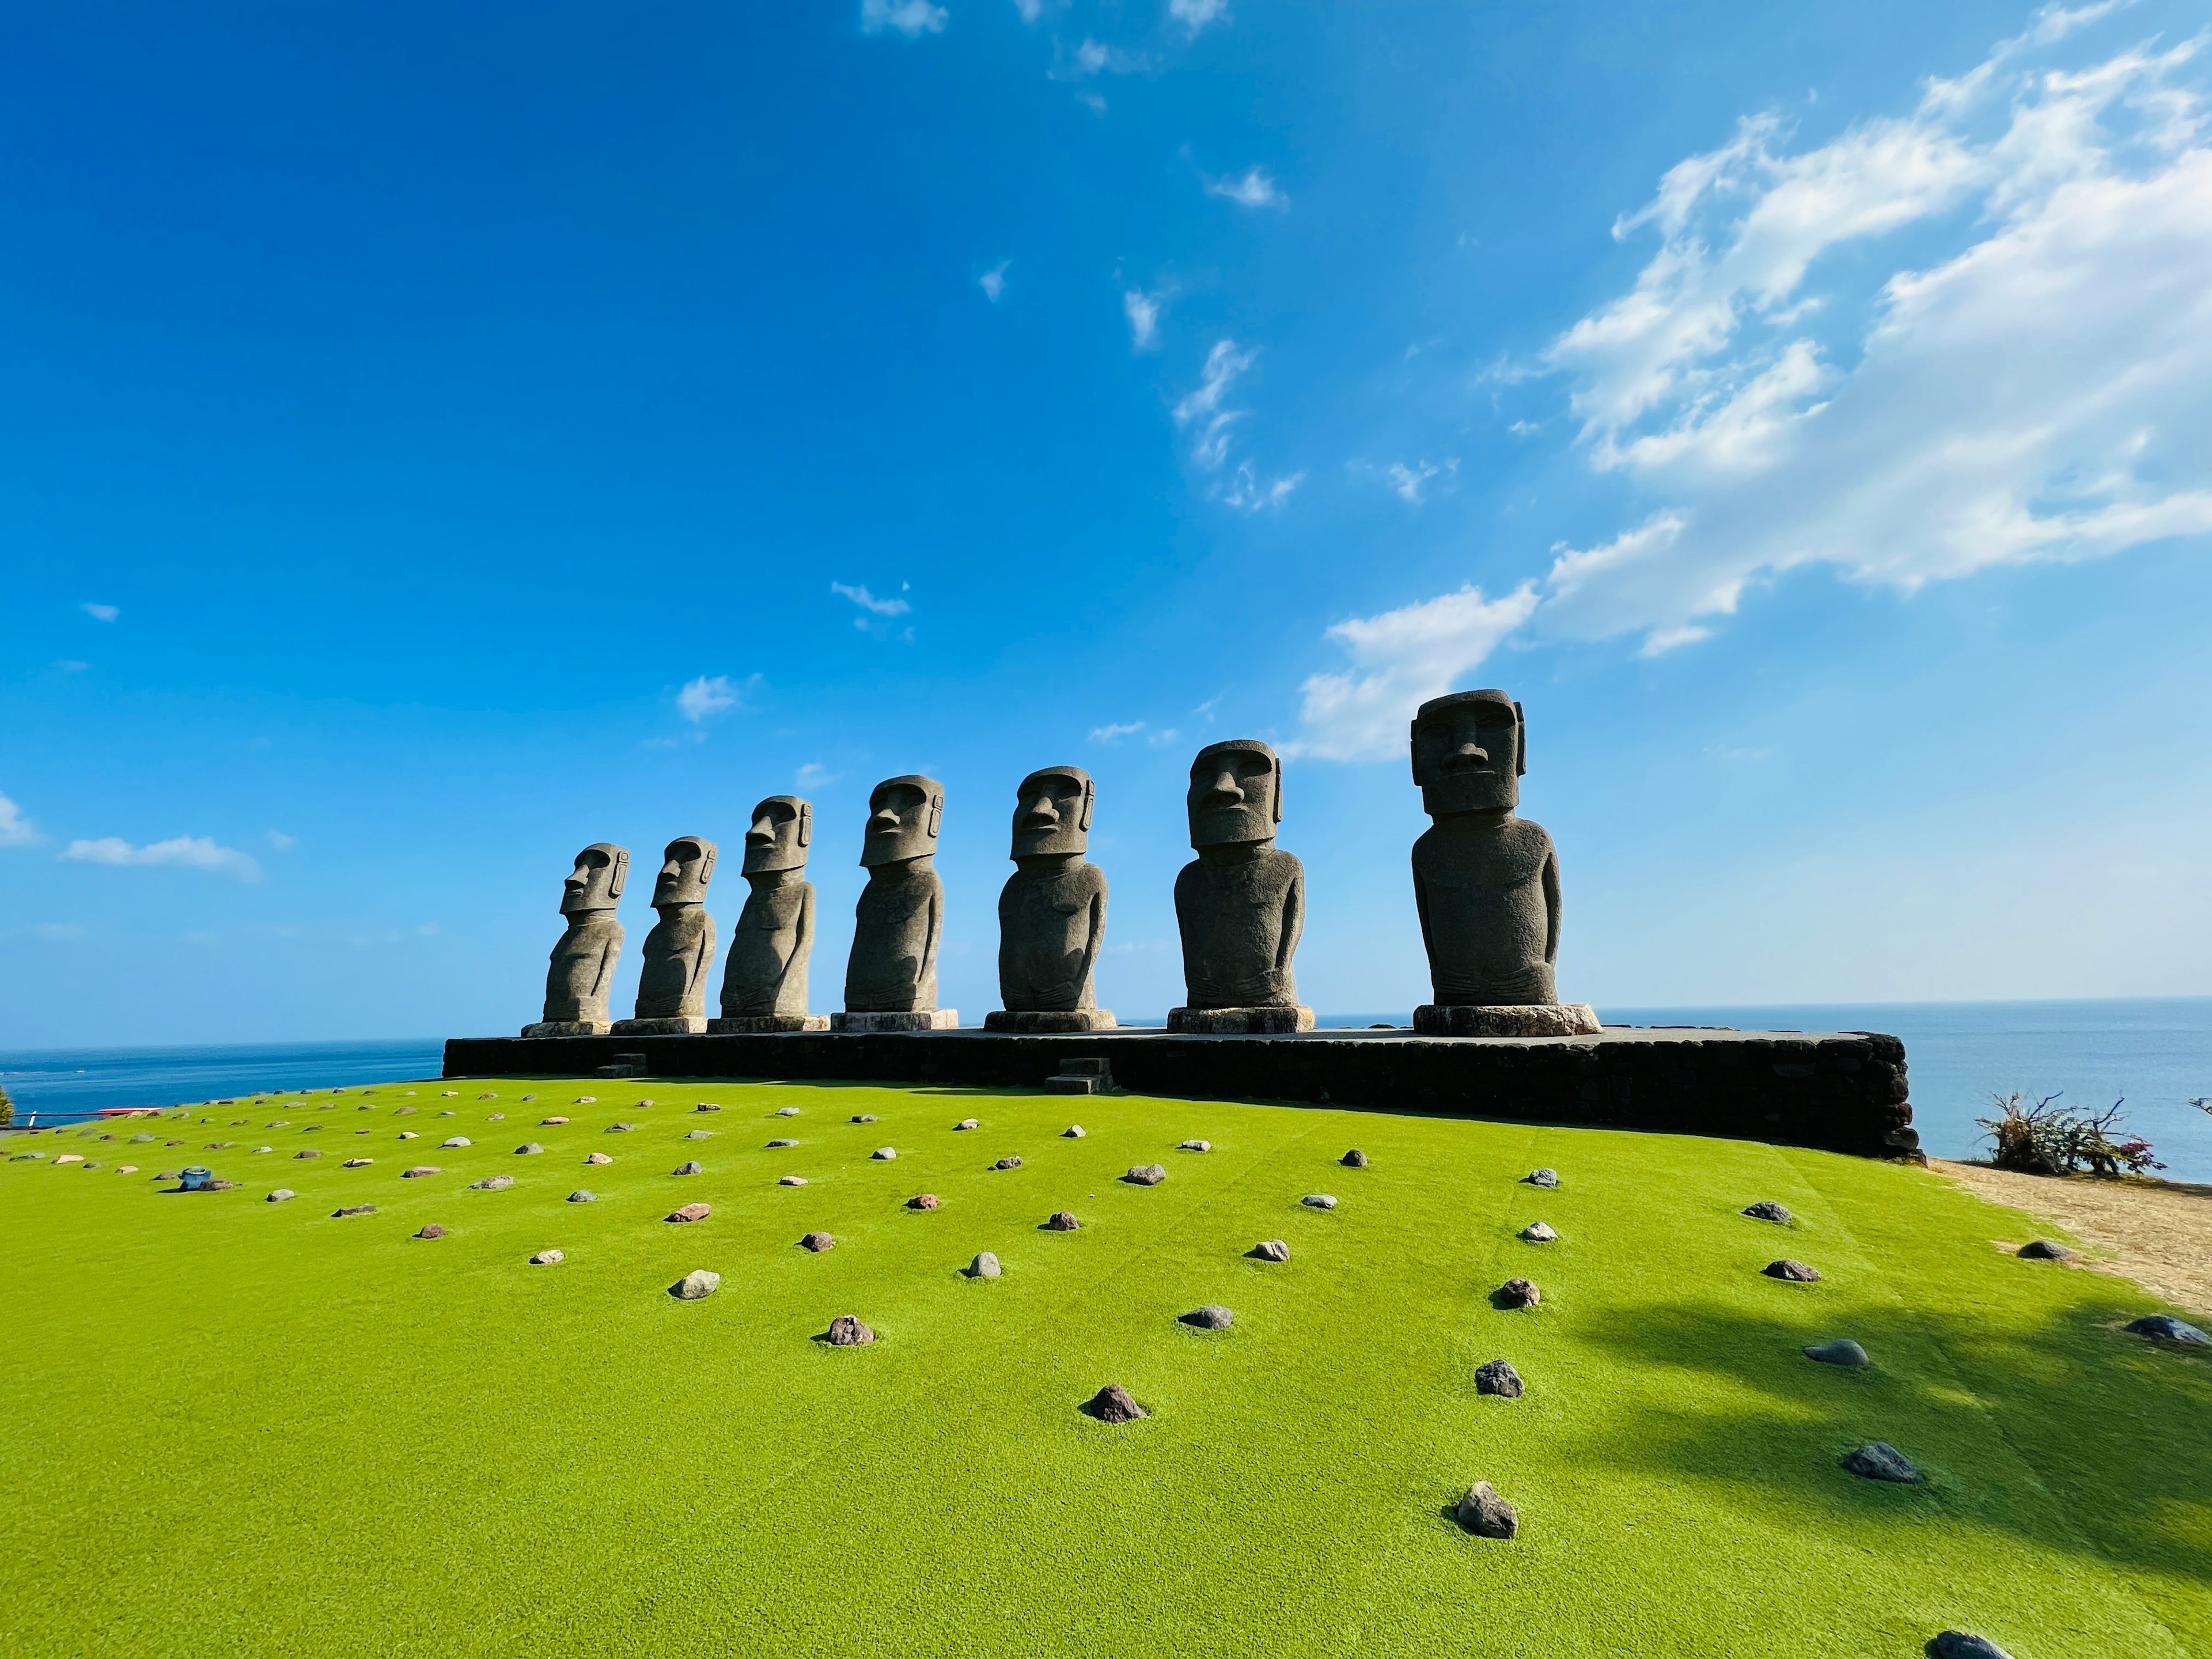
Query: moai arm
(1421, 909)
(927, 965)
(602, 981)
(702, 956)
(1294, 922)
(1551, 880)
(1096, 936)
(802, 941)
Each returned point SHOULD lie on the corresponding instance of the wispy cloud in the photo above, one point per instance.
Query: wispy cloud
(281, 841)
(1195, 14)
(813, 775)
(15, 829)
(1202, 409)
(911, 18)
(102, 613)
(181, 852)
(1398, 661)
(712, 694)
(1409, 481)
(1245, 489)
(1251, 188)
(1116, 731)
(859, 595)
(1143, 311)
(1030, 9)
(993, 281)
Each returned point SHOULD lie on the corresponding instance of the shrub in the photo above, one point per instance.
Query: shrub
(2044, 1138)
(7, 1109)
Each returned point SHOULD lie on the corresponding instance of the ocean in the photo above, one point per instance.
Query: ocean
(2155, 1054)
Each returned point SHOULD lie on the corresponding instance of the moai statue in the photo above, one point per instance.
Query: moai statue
(1052, 911)
(890, 979)
(671, 986)
(1486, 882)
(1240, 905)
(764, 982)
(582, 968)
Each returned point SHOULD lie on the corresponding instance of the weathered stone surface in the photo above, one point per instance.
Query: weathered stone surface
(419, 1171)
(549, 1258)
(430, 1230)
(492, 1183)
(1840, 1351)
(354, 1209)
(775, 1146)
(694, 1212)
(1487, 1514)
(1517, 1293)
(672, 984)
(1052, 911)
(1194, 1146)
(1319, 1201)
(698, 1284)
(1271, 1249)
(358, 1163)
(1047, 1022)
(1211, 1317)
(453, 1141)
(1498, 1377)
(900, 918)
(1112, 1404)
(1798, 1273)
(817, 1243)
(1146, 1175)
(280, 1193)
(1241, 1022)
(1073, 1132)
(2043, 1249)
(922, 1201)
(765, 982)
(1061, 1221)
(968, 1123)
(1007, 1163)
(598, 1158)
(582, 966)
(1768, 1209)
(1537, 1233)
(1958, 1645)
(1880, 1461)
(583, 1195)
(528, 1149)
(1546, 1177)
(2165, 1327)
(1354, 1159)
(883, 1154)
(985, 1266)
(688, 1167)
(791, 1180)
(1240, 905)
(1562, 1020)
(846, 1331)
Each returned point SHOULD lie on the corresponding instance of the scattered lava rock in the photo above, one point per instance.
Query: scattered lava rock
(1007, 1163)
(1270, 1249)
(690, 1166)
(1487, 1514)
(1061, 1221)
(1767, 1210)
(2042, 1249)
(599, 1157)
(923, 1201)
(1537, 1233)
(309, 1152)
(1798, 1273)
(430, 1230)
(492, 1183)
(865, 1117)
(549, 1258)
(1540, 1178)
(281, 1194)
(354, 1209)
(1194, 1146)
(1319, 1202)
(583, 1195)
(883, 1154)
(1517, 1293)
(700, 1134)
(452, 1141)
(968, 1123)
(1354, 1159)
(2165, 1327)
(1498, 1377)
(846, 1331)
(695, 1286)
(1112, 1404)
(691, 1213)
(1880, 1461)
(791, 1181)
(1211, 1317)
(786, 1111)
(777, 1144)
(1958, 1645)
(1146, 1175)
(1073, 1132)
(528, 1149)
(817, 1243)
(985, 1266)
(1842, 1351)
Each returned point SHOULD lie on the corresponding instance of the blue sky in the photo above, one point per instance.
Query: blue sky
(437, 437)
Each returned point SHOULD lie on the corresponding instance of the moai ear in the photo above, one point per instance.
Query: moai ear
(621, 874)
(1089, 790)
(1520, 742)
(1278, 788)
(1413, 749)
(936, 815)
(707, 867)
(805, 823)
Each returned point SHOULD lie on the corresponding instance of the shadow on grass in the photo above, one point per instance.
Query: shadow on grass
(2109, 1426)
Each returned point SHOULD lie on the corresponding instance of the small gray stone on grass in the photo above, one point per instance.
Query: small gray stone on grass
(1498, 1377)
(865, 1117)
(1880, 1461)
(493, 1184)
(968, 1123)
(583, 1195)
(1842, 1351)
(1007, 1163)
(1798, 1273)
(923, 1201)
(689, 1167)
(1319, 1202)
(1487, 1514)
(695, 1286)
(846, 1331)
(1270, 1249)
(1354, 1159)
(599, 1157)
(786, 1111)
(1537, 1233)
(985, 1266)
(2042, 1249)
(528, 1149)
(549, 1258)
(455, 1140)
(1146, 1175)
(1112, 1404)
(700, 1134)
(883, 1154)
(1194, 1146)
(1061, 1221)
(1211, 1317)
(281, 1194)
(1767, 1210)
(1540, 1178)
(1958, 1645)
(1073, 1132)
(691, 1213)
(791, 1181)
(817, 1243)
(354, 1209)
(776, 1144)
(1517, 1293)
(430, 1230)
(2165, 1327)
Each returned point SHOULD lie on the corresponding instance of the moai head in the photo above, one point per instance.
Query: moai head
(1236, 793)
(1469, 751)
(1052, 812)
(597, 881)
(903, 815)
(685, 869)
(782, 827)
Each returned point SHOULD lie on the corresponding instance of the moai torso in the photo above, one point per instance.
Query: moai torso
(582, 968)
(1240, 917)
(679, 949)
(770, 948)
(1051, 920)
(1488, 895)
(893, 967)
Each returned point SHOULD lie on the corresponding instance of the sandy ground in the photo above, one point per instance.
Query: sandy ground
(2156, 1232)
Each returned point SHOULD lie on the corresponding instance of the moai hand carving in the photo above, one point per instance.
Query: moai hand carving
(890, 978)
(671, 986)
(1485, 882)
(582, 967)
(1240, 905)
(1052, 911)
(764, 981)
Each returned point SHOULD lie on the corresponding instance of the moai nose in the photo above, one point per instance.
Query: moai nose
(1225, 791)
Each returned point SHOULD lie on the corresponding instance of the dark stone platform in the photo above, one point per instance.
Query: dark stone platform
(1843, 1092)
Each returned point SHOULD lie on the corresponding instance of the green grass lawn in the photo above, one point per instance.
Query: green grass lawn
(238, 1427)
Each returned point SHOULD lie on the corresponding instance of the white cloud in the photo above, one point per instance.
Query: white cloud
(1251, 188)
(813, 775)
(1143, 311)
(182, 853)
(1245, 489)
(1201, 407)
(911, 18)
(868, 602)
(102, 613)
(1398, 661)
(711, 693)
(993, 281)
(15, 829)
(2036, 387)
(1195, 14)
(1115, 732)
(1408, 481)
(1030, 9)
(281, 841)
(1094, 57)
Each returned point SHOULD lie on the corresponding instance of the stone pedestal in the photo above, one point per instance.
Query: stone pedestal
(553, 1028)
(766, 1025)
(1045, 1021)
(1506, 1020)
(1240, 1022)
(920, 1019)
(668, 1025)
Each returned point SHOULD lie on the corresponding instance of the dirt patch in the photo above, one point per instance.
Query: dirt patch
(2158, 1233)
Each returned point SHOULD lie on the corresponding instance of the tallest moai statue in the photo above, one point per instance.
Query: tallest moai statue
(1486, 882)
